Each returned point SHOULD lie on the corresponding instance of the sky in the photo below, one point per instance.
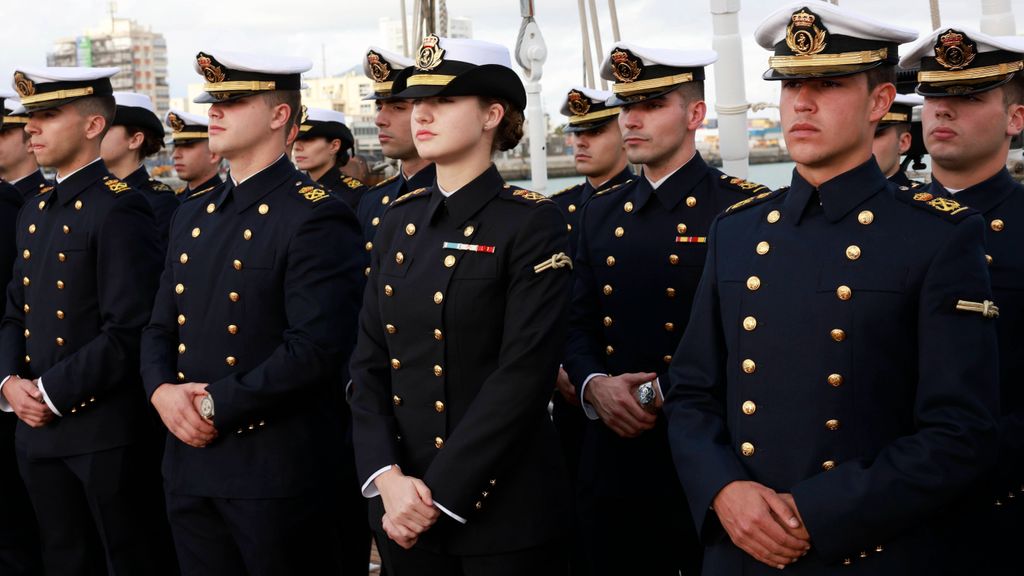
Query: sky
(343, 29)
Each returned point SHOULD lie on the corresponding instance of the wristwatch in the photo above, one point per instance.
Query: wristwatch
(206, 407)
(645, 396)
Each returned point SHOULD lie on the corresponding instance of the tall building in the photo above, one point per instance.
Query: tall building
(140, 53)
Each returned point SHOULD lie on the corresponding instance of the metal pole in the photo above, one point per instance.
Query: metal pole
(933, 5)
(615, 20)
(531, 53)
(729, 86)
(997, 18)
(588, 63)
(405, 31)
(597, 39)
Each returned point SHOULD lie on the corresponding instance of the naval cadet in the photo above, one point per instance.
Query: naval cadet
(638, 260)
(460, 336)
(18, 164)
(395, 137)
(135, 135)
(835, 390)
(193, 161)
(894, 138)
(321, 148)
(973, 88)
(87, 266)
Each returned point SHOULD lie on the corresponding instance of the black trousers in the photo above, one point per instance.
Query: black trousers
(19, 534)
(255, 537)
(98, 513)
(547, 560)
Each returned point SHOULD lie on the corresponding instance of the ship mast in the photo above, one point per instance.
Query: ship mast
(531, 53)
(731, 100)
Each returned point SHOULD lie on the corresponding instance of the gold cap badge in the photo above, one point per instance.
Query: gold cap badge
(954, 50)
(805, 35)
(176, 123)
(430, 53)
(625, 67)
(578, 104)
(211, 72)
(23, 85)
(379, 69)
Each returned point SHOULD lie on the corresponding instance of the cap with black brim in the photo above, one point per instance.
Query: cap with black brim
(960, 62)
(640, 73)
(52, 87)
(235, 75)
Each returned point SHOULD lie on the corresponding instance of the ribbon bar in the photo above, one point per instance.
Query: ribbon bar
(691, 239)
(468, 247)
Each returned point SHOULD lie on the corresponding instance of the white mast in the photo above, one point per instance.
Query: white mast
(531, 53)
(997, 18)
(731, 104)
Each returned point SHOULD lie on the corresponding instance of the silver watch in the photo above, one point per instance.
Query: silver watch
(206, 407)
(645, 396)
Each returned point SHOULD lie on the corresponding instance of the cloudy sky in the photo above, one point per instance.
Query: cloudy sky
(342, 30)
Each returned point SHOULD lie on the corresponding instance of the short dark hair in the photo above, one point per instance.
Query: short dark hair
(293, 98)
(151, 143)
(104, 106)
(1013, 91)
(692, 91)
(886, 73)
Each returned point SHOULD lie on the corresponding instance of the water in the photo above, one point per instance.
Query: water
(771, 175)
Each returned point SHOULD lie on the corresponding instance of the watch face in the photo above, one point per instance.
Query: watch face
(206, 407)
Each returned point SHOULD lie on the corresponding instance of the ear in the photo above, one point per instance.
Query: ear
(881, 99)
(214, 158)
(136, 140)
(1015, 120)
(334, 145)
(695, 113)
(280, 115)
(905, 140)
(95, 126)
(493, 115)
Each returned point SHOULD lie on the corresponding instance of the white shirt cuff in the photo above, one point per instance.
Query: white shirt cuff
(46, 398)
(453, 515)
(369, 489)
(587, 408)
(348, 391)
(657, 388)
(5, 406)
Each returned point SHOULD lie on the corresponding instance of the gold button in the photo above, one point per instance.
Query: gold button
(835, 380)
(439, 407)
(26, 254)
(27, 333)
(27, 308)
(366, 271)
(749, 408)
(468, 231)
(60, 284)
(609, 350)
(399, 257)
(42, 204)
(747, 449)
(681, 228)
(853, 252)
(67, 229)
(838, 335)
(385, 200)
(62, 257)
(25, 281)
(390, 328)
(388, 290)
(179, 288)
(673, 259)
(667, 359)
(234, 296)
(264, 209)
(183, 258)
(879, 548)
(670, 292)
(232, 329)
(181, 319)
(988, 259)
(449, 261)
(210, 208)
(753, 283)
(375, 221)
(438, 297)
(620, 232)
(78, 204)
(438, 371)
(826, 466)
(997, 225)
(395, 363)
(438, 335)
(844, 293)
(610, 260)
(369, 246)
(410, 229)
(181, 376)
(31, 228)
(60, 314)
(691, 201)
(866, 217)
(670, 327)
(181, 348)
(28, 360)
(863, 554)
(396, 400)
(749, 323)
(628, 207)
(231, 360)
(832, 424)
(749, 366)
(608, 289)
(247, 234)
(608, 322)
(763, 247)
(196, 232)
(439, 443)
(572, 208)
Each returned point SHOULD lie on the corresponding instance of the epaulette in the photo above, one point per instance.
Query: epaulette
(743, 185)
(407, 195)
(115, 185)
(43, 189)
(384, 182)
(313, 193)
(525, 195)
(160, 186)
(180, 191)
(755, 199)
(604, 191)
(946, 207)
(352, 182)
(564, 190)
(915, 184)
(199, 193)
